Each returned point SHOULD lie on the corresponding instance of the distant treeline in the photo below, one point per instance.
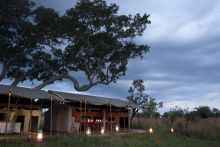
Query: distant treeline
(197, 112)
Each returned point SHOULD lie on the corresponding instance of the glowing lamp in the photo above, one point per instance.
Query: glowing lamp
(102, 130)
(151, 131)
(116, 128)
(40, 136)
(88, 131)
(172, 130)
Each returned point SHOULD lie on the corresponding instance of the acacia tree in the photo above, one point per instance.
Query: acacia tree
(90, 39)
(137, 95)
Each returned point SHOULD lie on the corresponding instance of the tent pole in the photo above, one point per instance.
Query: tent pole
(124, 124)
(104, 119)
(51, 114)
(129, 122)
(58, 125)
(85, 123)
(80, 115)
(111, 114)
(6, 126)
(30, 121)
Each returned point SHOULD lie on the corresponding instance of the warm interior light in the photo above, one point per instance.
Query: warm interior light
(40, 136)
(151, 130)
(102, 130)
(172, 130)
(88, 131)
(116, 128)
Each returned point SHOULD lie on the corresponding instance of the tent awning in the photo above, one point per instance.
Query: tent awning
(94, 100)
(27, 93)
(62, 96)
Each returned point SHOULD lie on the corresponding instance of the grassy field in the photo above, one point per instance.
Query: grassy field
(129, 140)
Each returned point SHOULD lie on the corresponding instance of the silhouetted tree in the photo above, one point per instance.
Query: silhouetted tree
(203, 111)
(90, 39)
(175, 112)
(165, 114)
(146, 104)
(216, 112)
(137, 96)
(156, 115)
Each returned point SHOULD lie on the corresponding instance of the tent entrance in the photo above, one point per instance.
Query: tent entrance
(123, 121)
(21, 120)
(34, 123)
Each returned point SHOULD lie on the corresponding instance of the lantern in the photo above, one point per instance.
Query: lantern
(151, 131)
(172, 130)
(102, 130)
(88, 131)
(40, 136)
(116, 128)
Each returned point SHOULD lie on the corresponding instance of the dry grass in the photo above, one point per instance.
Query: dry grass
(209, 128)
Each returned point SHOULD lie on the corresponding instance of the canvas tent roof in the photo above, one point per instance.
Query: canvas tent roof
(95, 100)
(27, 93)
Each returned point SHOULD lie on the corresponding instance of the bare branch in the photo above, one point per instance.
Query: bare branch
(84, 87)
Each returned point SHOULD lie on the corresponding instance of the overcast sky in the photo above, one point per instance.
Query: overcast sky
(182, 67)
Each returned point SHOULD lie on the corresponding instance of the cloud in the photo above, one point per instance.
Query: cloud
(182, 67)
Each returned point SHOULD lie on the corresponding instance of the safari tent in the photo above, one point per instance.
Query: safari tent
(21, 110)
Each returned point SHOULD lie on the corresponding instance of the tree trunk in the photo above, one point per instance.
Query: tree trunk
(145, 121)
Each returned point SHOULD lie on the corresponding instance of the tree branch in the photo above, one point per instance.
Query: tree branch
(23, 76)
(84, 87)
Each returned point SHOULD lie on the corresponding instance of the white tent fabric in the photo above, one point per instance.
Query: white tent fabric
(95, 100)
(27, 93)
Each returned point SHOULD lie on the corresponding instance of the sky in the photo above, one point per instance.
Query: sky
(182, 68)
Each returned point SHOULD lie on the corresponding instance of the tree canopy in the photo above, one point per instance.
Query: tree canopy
(91, 38)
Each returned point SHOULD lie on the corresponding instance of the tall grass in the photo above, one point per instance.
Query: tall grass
(202, 127)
